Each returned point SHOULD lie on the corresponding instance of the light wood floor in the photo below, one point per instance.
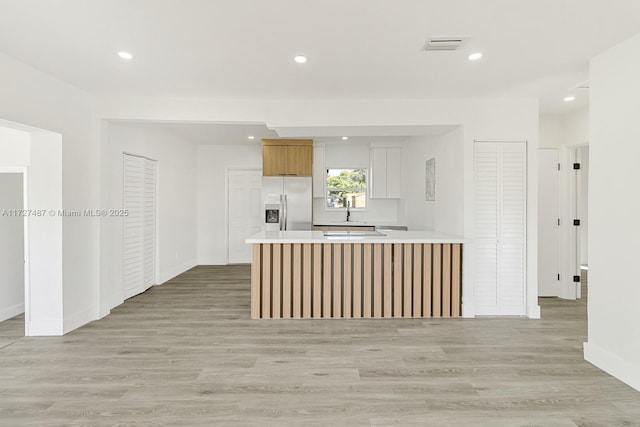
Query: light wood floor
(186, 353)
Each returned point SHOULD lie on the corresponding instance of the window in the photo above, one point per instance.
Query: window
(346, 186)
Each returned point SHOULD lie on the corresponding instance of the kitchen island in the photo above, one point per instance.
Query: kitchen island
(307, 274)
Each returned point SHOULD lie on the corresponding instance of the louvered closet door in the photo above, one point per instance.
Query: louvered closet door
(139, 198)
(149, 222)
(500, 222)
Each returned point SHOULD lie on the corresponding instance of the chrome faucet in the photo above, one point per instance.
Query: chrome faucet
(348, 211)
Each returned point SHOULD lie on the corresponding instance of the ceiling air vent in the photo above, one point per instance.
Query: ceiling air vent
(445, 43)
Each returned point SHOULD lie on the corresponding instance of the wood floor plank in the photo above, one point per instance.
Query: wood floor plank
(187, 353)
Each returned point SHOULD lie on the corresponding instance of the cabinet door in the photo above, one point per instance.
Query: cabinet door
(299, 160)
(274, 160)
(378, 179)
(394, 173)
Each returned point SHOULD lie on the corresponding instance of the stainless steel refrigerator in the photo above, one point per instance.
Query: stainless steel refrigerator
(288, 203)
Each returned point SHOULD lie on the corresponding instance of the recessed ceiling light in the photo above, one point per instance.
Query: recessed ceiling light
(125, 55)
(569, 98)
(475, 56)
(344, 138)
(300, 59)
(251, 137)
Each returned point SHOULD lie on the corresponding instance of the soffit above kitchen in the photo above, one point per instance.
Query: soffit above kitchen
(244, 49)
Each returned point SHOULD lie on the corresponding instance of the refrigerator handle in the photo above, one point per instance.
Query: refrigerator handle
(281, 215)
(285, 212)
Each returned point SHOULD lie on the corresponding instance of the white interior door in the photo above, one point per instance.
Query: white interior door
(582, 202)
(139, 199)
(548, 228)
(245, 212)
(500, 224)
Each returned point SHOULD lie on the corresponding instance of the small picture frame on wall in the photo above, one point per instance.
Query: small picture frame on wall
(430, 180)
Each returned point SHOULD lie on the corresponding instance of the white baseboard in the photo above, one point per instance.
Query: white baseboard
(177, 270)
(621, 369)
(468, 311)
(45, 328)
(78, 319)
(533, 312)
(105, 310)
(9, 312)
(212, 261)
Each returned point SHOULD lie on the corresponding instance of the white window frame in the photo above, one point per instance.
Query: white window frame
(327, 188)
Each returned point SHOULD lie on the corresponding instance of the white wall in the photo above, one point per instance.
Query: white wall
(213, 161)
(176, 236)
(349, 154)
(418, 213)
(446, 213)
(551, 131)
(11, 246)
(575, 127)
(32, 98)
(614, 209)
(450, 175)
(15, 146)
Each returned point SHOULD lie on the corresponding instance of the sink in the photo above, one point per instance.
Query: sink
(339, 234)
(353, 222)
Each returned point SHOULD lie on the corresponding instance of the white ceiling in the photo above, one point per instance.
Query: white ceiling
(211, 133)
(357, 49)
(235, 133)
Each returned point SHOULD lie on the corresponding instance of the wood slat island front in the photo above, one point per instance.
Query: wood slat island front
(305, 275)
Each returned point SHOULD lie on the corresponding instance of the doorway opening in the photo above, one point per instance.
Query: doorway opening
(12, 257)
(35, 156)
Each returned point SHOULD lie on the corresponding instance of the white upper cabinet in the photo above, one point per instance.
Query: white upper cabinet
(386, 173)
(318, 171)
(394, 173)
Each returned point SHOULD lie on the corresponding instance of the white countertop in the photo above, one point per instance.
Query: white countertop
(389, 237)
(357, 223)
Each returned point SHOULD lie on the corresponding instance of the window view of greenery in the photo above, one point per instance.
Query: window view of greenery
(346, 185)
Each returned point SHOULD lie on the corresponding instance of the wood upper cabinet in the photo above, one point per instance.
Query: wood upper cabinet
(274, 160)
(287, 157)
